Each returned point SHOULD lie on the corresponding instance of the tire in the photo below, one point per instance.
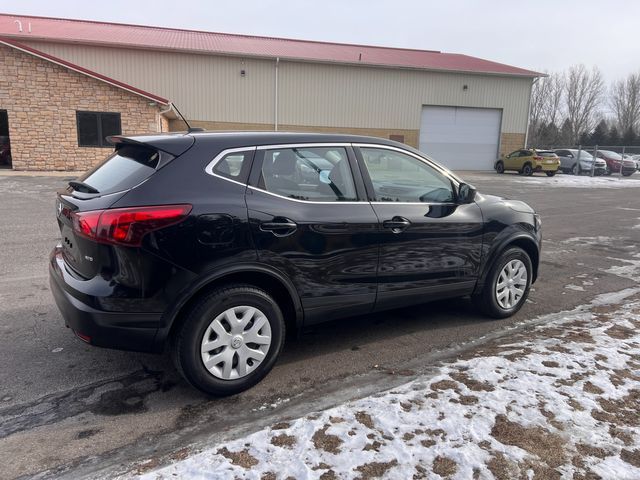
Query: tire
(607, 170)
(220, 379)
(550, 174)
(487, 300)
(500, 167)
(626, 174)
(527, 170)
(576, 170)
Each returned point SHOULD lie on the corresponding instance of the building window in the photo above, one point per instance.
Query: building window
(95, 127)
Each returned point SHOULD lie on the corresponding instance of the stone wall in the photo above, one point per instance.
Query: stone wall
(510, 142)
(41, 99)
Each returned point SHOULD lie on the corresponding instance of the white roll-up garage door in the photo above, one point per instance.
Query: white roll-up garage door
(461, 138)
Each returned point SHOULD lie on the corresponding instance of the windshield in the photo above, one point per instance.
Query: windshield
(612, 155)
(584, 155)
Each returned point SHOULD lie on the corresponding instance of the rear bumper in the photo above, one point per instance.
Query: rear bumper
(123, 331)
(546, 167)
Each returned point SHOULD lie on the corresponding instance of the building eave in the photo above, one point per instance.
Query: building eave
(84, 71)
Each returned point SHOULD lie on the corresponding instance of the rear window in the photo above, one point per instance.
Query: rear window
(546, 154)
(127, 167)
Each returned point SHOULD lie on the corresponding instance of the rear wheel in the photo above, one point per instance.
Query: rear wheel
(607, 170)
(527, 170)
(230, 340)
(500, 167)
(507, 285)
(550, 174)
(576, 170)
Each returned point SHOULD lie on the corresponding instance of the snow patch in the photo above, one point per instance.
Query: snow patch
(473, 410)
(571, 181)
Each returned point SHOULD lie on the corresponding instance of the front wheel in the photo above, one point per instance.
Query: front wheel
(550, 174)
(230, 340)
(626, 174)
(507, 285)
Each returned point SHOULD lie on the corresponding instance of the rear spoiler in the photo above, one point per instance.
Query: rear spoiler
(172, 144)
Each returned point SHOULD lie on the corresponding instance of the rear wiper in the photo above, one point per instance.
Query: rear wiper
(82, 187)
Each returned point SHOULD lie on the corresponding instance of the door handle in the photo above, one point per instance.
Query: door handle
(396, 224)
(280, 227)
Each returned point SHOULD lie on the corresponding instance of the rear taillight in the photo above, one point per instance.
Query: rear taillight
(537, 158)
(126, 226)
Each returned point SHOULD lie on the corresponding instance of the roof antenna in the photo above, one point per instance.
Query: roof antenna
(190, 129)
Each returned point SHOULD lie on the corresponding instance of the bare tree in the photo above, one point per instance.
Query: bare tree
(539, 100)
(546, 100)
(583, 95)
(553, 111)
(624, 99)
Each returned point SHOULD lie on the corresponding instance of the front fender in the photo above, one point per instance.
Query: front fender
(522, 235)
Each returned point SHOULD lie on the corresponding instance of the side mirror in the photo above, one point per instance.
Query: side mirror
(466, 193)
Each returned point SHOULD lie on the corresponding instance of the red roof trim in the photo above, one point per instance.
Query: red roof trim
(188, 30)
(82, 70)
(118, 35)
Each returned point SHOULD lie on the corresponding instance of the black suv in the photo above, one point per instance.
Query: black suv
(214, 243)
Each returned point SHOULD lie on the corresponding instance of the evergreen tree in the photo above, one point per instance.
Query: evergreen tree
(613, 138)
(585, 138)
(566, 134)
(599, 134)
(629, 137)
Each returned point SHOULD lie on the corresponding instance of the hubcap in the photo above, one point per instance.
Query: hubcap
(236, 342)
(511, 284)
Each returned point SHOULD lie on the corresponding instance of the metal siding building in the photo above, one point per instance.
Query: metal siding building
(217, 88)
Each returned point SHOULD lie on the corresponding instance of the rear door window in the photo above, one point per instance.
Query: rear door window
(127, 167)
(320, 174)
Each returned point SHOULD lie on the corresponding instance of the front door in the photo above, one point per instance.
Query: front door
(430, 246)
(311, 220)
(512, 161)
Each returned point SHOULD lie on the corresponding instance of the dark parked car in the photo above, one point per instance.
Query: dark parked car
(214, 244)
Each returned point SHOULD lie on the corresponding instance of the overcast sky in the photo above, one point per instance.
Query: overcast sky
(539, 35)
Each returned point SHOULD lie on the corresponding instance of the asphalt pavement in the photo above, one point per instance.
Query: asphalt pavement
(70, 409)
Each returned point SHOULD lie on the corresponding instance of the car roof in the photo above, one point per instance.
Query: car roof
(177, 142)
(260, 137)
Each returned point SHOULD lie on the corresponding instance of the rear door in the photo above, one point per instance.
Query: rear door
(310, 219)
(430, 246)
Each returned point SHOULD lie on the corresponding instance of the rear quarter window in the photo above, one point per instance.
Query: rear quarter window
(125, 168)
